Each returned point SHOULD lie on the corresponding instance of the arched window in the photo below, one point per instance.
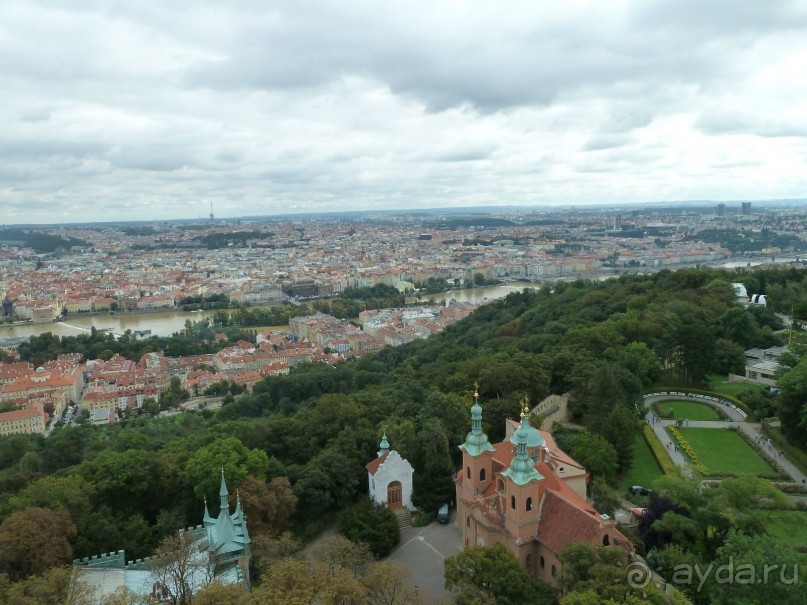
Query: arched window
(513, 502)
(481, 474)
(554, 571)
(500, 486)
(529, 561)
(468, 472)
(529, 503)
(541, 562)
(605, 540)
(468, 521)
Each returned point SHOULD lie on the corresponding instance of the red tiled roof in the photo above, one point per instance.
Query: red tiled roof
(562, 523)
(20, 414)
(372, 466)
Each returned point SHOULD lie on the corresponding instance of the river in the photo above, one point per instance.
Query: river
(473, 294)
(165, 323)
(161, 323)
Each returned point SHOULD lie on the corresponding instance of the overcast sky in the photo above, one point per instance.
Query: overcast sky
(154, 109)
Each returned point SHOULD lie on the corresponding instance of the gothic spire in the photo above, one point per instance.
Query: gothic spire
(223, 493)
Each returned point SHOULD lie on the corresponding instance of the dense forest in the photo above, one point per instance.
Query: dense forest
(748, 241)
(40, 241)
(296, 447)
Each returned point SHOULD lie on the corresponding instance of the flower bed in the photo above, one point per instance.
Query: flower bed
(687, 449)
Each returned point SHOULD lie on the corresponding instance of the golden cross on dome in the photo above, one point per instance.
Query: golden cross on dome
(476, 390)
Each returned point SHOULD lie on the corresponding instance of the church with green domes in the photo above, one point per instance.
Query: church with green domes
(528, 494)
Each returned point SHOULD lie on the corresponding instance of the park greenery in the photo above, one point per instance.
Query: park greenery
(296, 447)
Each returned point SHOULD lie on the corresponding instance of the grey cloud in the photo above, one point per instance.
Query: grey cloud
(721, 16)
(36, 115)
(265, 107)
(605, 141)
(523, 64)
(718, 121)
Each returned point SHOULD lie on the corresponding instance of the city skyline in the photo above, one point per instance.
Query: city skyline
(146, 113)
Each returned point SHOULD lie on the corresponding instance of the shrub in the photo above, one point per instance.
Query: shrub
(659, 453)
(795, 455)
(372, 524)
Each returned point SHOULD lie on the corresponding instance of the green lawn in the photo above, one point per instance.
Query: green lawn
(689, 410)
(644, 469)
(719, 384)
(787, 526)
(724, 451)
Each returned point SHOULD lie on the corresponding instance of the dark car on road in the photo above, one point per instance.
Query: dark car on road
(638, 489)
(442, 514)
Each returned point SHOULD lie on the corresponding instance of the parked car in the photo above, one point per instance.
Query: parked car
(638, 489)
(443, 514)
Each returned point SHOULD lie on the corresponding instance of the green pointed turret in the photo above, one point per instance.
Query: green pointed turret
(207, 512)
(223, 494)
(476, 441)
(384, 445)
(522, 468)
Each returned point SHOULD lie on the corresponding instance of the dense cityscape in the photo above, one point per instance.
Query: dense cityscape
(266, 299)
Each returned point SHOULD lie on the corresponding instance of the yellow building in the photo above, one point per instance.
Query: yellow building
(27, 421)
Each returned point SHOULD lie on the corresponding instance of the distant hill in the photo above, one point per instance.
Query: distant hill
(40, 241)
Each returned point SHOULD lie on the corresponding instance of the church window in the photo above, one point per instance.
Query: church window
(481, 474)
(529, 503)
(605, 540)
(468, 472)
(554, 571)
(529, 561)
(468, 521)
(541, 561)
(513, 502)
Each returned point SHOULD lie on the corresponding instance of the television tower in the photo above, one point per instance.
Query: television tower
(211, 214)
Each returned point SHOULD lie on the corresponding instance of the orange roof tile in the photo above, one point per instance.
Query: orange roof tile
(372, 466)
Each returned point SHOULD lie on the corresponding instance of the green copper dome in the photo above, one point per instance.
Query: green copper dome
(522, 468)
(534, 438)
(477, 441)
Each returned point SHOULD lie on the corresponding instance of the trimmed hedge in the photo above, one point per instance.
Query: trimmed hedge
(668, 467)
(661, 413)
(685, 390)
(795, 455)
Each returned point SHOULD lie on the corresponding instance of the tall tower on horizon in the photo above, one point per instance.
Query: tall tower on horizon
(211, 214)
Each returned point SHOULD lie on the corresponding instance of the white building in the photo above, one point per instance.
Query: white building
(390, 478)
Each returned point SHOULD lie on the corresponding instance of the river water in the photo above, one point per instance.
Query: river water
(472, 294)
(161, 323)
(165, 323)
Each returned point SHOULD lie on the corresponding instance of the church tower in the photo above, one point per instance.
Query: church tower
(228, 542)
(521, 487)
(477, 470)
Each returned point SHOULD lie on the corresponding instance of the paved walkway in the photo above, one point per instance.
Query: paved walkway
(424, 549)
(752, 429)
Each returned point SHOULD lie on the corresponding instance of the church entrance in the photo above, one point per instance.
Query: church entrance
(394, 495)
